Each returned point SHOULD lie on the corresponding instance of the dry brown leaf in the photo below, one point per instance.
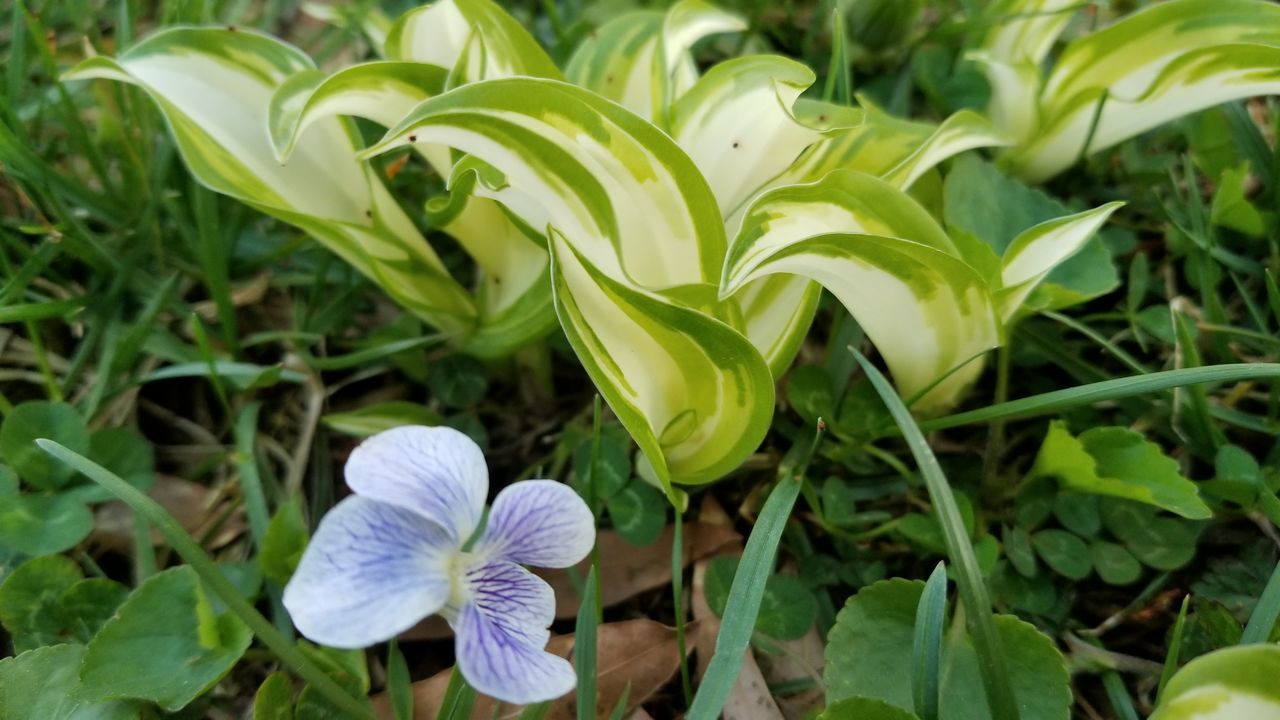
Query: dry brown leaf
(625, 571)
(640, 654)
(196, 507)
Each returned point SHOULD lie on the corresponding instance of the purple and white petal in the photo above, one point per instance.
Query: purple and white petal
(522, 600)
(437, 472)
(538, 522)
(372, 571)
(501, 634)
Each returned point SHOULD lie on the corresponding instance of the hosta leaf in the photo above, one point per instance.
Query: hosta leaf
(869, 654)
(1228, 684)
(1040, 249)
(899, 151)
(1166, 61)
(215, 86)
(887, 262)
(513, 297)
(382, 91)
(439, 34)
(1026, 29)
(737, 124)
(641, 59)
(1118, 462)
(616, 187)
(693, 393)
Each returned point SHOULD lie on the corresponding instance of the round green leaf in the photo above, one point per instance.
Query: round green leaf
(1078, 513)
(1115, 565)
(29, 600)
(613, 467)
(1017, 547)
(43, 685)
(869, 655)
(165, 644)
(1164, 544)
(639, 512)
(1064, 552)
(810, 394)
(860, 708)
(787, 608)
(42, 419)
(43, 524)
(457, 380)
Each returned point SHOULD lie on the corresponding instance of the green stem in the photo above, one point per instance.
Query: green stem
(973, 589)
(213, 578)
(677, 593)
(1105, 390)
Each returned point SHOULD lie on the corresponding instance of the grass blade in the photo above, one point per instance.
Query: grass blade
(973, 590)
(459, 697)
(926, 650)
(399, 684)
(1175, 648)
(1263, 619)
(584, 648)
(1105, 390)
(195, 556)
(745, 593)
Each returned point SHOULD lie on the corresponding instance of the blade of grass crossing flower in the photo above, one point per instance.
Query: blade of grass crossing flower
(459, 698)
(1106, 390)
(195, 556)
(399, 683)
(1175, 648)
(584, 647)
(1262, 621)
(973, 589)
(926, 649)
(747, 589)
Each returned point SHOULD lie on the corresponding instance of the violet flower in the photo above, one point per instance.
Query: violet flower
(393, 553)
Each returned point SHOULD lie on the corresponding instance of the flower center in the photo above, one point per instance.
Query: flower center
(459, 593)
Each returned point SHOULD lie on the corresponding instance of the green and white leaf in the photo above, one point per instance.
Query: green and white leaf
(372, 21)
(1165, 61)
(888, 263)
(1228, 684)
(214, 87)
(441, 32)
(638, 247)
(1025, 30)
(641, 59)
(692, 392)
(899, 151)
(1037, 251)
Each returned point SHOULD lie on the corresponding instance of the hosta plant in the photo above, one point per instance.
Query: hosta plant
(678, 227)
(1168, 60)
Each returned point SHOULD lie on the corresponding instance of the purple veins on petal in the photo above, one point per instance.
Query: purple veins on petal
(538, 522)
(372, 571)
(507, 661)
(516, 597)
(436, 472)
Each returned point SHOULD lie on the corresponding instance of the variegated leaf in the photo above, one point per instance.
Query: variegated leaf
(1234, 683)
(641, 59)
(692, 391)
(1038, 250)
(886, 260)
(439, 34)
(214, 87)
(1165, 61)
(637, 257)
(899, 151)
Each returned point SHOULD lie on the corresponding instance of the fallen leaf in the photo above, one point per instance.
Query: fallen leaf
(639, 654)
(625, 571)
